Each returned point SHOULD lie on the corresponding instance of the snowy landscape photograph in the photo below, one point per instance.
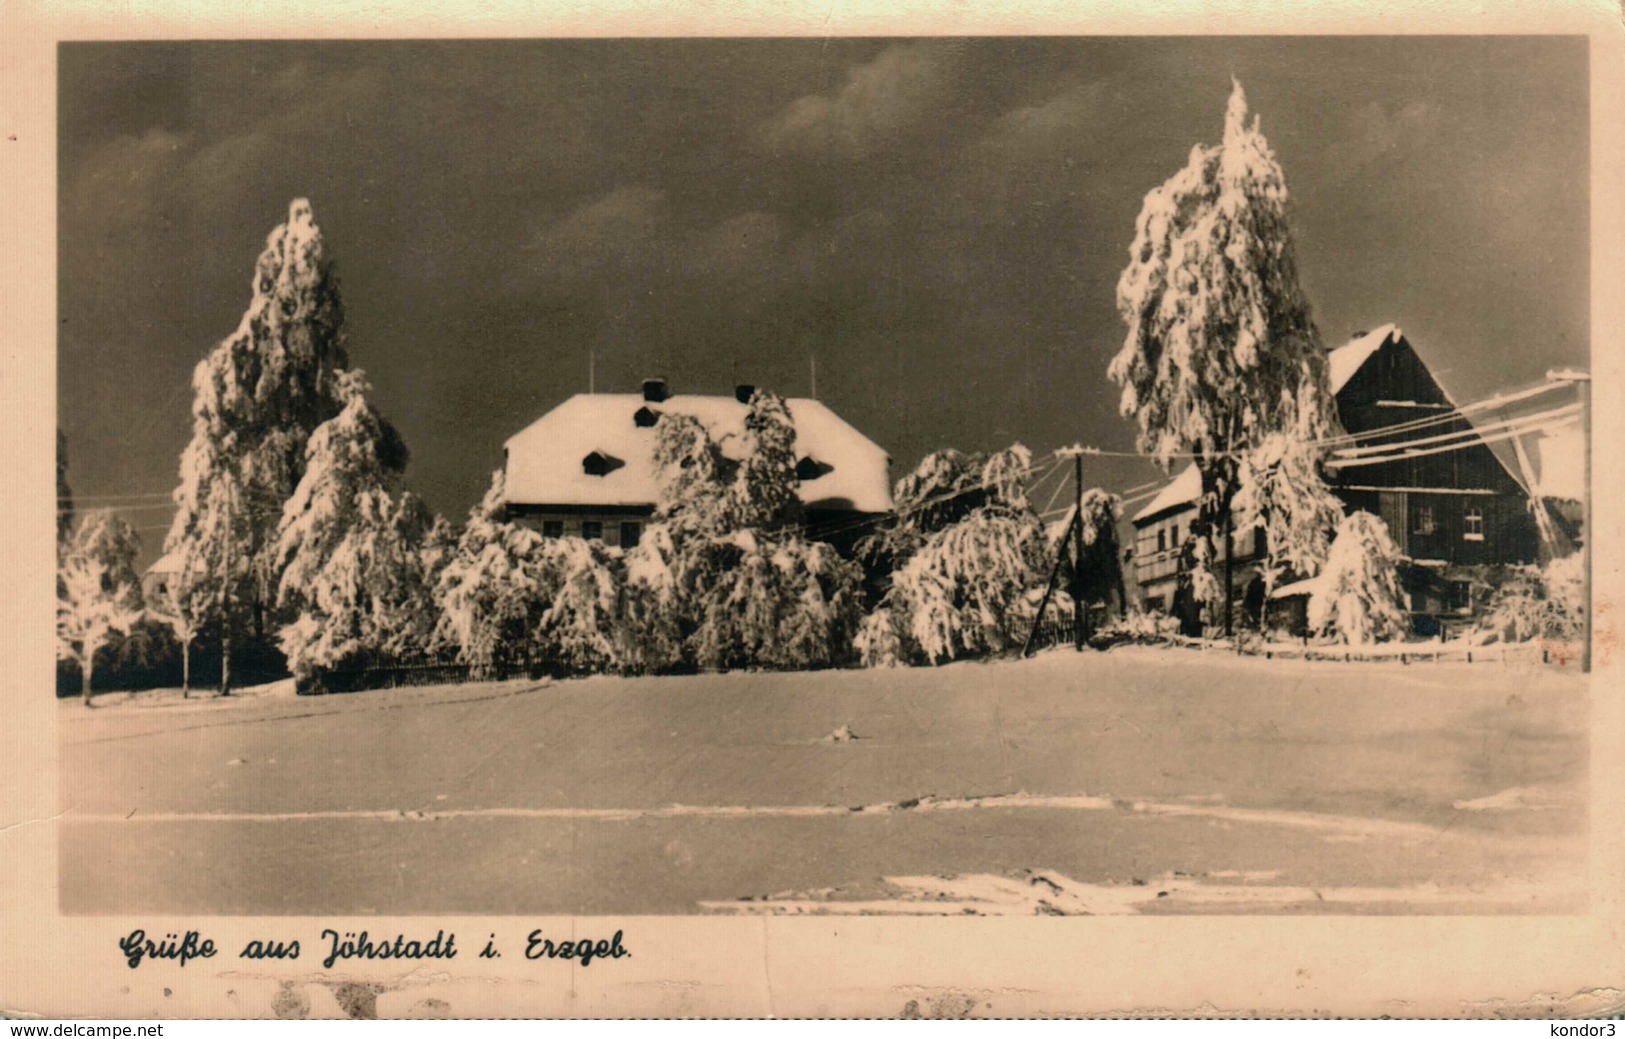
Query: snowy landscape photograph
(814, 477)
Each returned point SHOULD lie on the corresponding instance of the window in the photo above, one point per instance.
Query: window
(1173, 536)
(810, 468)
(1162, 541)
(1472, 527)
(630, 533)
(1426, 523)
(1155, 604)
(1461, 596)
(552, 528)
(592, 530)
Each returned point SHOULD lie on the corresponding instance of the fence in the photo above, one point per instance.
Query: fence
(1559, 654)
(425, 672)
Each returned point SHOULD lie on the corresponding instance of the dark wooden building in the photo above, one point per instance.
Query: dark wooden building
(1447, 510)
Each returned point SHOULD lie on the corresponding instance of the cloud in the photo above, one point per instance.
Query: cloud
(117, 184)
(636, 234)
(1058, 123)
(1377, 130)
(620, 224)
(891, 95)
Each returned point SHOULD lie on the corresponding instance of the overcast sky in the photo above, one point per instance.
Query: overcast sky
(941, 222)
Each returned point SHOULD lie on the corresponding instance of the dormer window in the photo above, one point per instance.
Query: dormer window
(810, 468)
(599, 464)
(645, 417)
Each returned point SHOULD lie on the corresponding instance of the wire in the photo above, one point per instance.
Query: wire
(1357, 452)
(124, 508)
(75, 498)
(1544, 424)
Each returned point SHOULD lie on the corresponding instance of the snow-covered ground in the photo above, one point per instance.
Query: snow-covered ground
(1138, 780)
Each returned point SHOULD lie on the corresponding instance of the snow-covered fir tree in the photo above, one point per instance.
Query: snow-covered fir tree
(1220, 349)
(1100, 571)
(1358, 595)
(965, 553)
(349, 545)
(99, 593)
(257, 397)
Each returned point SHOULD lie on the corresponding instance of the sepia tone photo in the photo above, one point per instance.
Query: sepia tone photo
(824, 477)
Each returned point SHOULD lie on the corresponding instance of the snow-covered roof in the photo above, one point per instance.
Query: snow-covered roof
(1342, 363)
(545, 458)
(1560, 464)
(1308, 586)
(167, 564)
(1181, 490)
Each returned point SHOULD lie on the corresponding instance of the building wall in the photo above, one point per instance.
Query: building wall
(840, 528)
(1460, 508)
(560, 522)
(1156, 562)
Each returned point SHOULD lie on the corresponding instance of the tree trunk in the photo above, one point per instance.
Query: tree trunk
(186, 669)
(85, 672)
(1229, 592)
(225, 660)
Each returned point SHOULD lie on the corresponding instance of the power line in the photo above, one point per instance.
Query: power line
(1538, 422)
(1372, 449)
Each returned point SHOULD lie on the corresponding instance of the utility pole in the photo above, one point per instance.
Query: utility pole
(1080, 611)
(225, 589)
(1074, 533)
(812, 362)
(592, 370)
(1582, 383)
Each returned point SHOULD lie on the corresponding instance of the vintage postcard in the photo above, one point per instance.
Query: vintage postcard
(913, 513)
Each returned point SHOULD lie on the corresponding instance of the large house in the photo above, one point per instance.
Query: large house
(587, 469)
(1446, 510)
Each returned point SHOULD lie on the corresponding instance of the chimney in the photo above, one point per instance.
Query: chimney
(654, 390)
(744, 392)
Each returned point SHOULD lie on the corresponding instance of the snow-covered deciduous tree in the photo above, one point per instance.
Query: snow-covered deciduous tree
(1220, 350)
(349, 545)
(878, 641)
(1537, 603)
(257, 397)
(1358, 594)
(581, 586)
(188, 599)
(723, 578)
(1283, 494)
(491, 592)
(651, 630)
(964, 555)
(99, 593)
(762, 599)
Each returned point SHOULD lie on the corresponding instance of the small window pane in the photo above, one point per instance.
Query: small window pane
(592, 530)
(630, 533)
(1473, 525)
(552, 528)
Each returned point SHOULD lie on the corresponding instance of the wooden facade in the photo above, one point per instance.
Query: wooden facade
(1447, 510)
